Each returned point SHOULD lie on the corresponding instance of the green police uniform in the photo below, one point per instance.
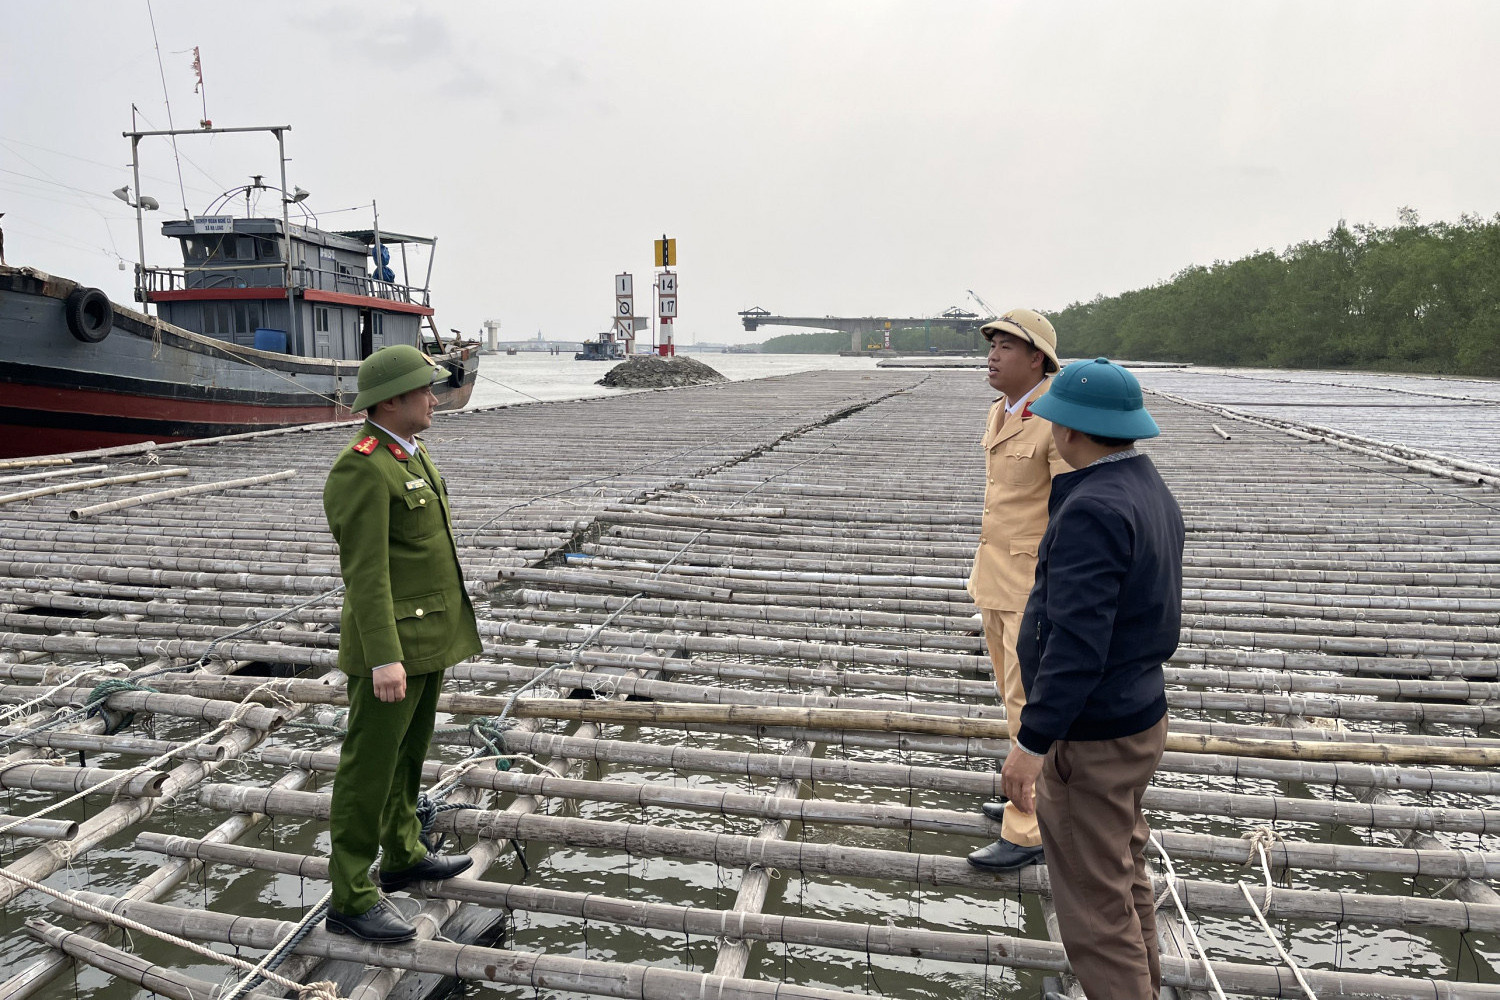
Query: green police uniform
(404, 601)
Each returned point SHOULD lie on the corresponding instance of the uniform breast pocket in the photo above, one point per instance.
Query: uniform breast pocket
(1015, 463)
(418, 515)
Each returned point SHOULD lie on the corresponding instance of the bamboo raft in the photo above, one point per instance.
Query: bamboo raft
(743, 707)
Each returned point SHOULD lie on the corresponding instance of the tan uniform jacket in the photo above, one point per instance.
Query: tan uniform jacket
(1020, 461)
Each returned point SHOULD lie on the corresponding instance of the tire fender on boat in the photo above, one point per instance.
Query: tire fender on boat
(90, 314)
(456, 374)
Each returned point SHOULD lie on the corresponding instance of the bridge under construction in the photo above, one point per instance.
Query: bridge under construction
(861, 328)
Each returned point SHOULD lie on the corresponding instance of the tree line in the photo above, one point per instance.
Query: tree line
(1413, 297)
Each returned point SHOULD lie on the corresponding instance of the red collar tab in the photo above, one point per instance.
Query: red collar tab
(365, 445)
(398, 451)
(1025, 411)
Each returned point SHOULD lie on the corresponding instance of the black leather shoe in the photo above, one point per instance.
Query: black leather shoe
(379, 923)
(1003, 856)
(994, 810)
(430, 869)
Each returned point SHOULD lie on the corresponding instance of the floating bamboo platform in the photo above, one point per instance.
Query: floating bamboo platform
(734, 720)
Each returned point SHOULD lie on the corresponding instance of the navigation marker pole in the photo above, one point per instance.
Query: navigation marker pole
(666, 294)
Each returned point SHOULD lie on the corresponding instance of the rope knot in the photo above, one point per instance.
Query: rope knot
(1261, 837)
(113, 721)
(323, 989)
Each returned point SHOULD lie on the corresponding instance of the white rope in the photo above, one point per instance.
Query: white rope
(326, 990)
(313, 991)
(1258, 841)
(1186, 920)
(72, 681)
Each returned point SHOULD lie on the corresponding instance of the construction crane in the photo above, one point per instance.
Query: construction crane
(990, 311)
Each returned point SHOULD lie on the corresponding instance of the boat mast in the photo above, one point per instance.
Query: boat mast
(286, 230)
(140, 222)
(140, 225)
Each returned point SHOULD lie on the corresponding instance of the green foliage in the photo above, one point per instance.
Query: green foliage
(1421, 298)
(909, 339)
(806, 343)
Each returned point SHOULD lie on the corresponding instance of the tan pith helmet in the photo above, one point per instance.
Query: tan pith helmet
(1032, 327)
(392, 371)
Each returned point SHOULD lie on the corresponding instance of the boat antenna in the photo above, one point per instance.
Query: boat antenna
(162, 72)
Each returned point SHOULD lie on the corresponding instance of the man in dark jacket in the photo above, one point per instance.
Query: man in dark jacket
(1102, 618)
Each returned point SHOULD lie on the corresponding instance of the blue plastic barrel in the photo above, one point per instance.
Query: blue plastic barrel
(270, 340)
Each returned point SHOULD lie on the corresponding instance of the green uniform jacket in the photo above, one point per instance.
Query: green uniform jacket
(404, 598)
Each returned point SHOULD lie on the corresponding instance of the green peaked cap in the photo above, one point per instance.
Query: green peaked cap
(391, 371)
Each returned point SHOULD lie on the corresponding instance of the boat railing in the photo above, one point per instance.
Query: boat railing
(174, 279)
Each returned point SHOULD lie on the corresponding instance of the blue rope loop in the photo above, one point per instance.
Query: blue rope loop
(114, 721)
(429, 808)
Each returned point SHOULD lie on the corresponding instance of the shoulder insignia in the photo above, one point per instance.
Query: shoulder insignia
(398, 451)
(365, 445)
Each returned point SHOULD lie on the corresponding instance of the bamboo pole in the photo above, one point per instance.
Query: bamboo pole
(846, 861)
(982, 720)
(47, 778)
(89, 484)
(55, 474)
(250, 716)
(119, 743)
(649, 714)
(121, 964)
(42, 829)
(640, 982)
(25, 463)
(78, 513)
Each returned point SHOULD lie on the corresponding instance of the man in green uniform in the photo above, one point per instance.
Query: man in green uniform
(406, 619)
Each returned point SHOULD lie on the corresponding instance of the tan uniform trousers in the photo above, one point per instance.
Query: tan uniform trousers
(1000, 631)
(1089, 801)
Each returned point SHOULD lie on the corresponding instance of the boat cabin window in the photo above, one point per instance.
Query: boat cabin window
(235, 321)
(230, 247)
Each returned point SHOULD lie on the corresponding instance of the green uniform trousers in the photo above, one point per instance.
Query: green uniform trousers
(375, 791)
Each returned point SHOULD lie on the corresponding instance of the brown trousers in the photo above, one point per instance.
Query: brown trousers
(1089, 803)
(1000, 631)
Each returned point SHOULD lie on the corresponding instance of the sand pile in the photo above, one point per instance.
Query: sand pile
(652, 372)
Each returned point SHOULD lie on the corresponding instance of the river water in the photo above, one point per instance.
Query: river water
(507, 379)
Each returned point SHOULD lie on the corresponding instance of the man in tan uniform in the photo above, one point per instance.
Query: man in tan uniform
(1020, 461)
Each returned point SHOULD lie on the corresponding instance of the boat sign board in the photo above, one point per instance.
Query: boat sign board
(213, 223)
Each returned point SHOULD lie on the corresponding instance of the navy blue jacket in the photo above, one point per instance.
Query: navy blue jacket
(1106, 609)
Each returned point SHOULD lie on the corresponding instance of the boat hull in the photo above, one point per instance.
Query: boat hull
(150, 381)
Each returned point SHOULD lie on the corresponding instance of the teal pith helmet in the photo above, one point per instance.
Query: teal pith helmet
(391, 371)
(1099, 398)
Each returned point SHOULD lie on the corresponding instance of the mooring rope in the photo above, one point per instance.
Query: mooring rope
(1183, 913)
(1258, 839)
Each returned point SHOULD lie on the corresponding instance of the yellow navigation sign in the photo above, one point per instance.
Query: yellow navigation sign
(666, 252)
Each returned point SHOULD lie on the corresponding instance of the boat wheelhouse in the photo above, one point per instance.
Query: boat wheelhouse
(234, 286)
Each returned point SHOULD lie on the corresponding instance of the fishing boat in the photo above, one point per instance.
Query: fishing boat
(263, 326)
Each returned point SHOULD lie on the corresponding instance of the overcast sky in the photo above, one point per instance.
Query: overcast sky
(812, 158)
